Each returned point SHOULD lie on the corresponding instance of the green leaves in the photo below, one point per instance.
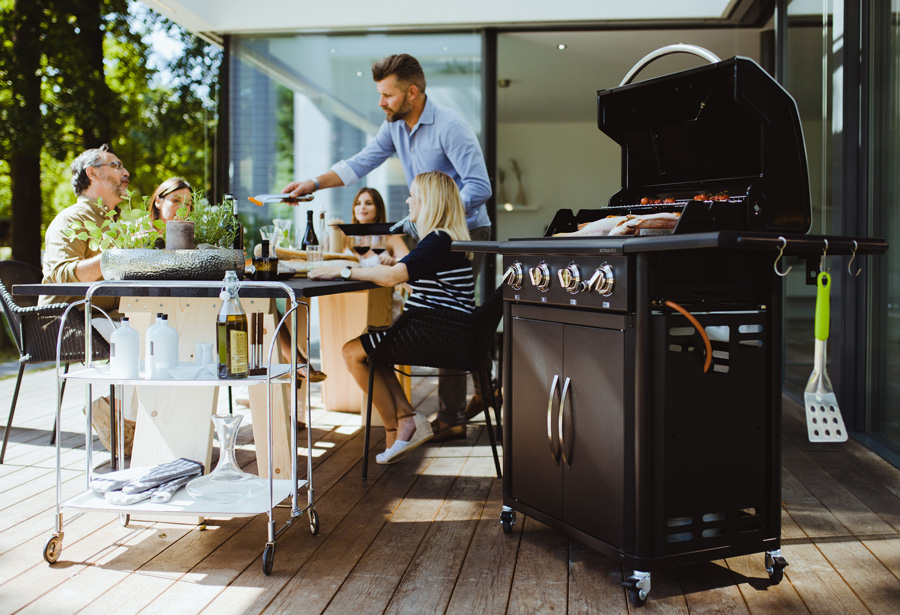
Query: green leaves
(132, 229)
(213, 224)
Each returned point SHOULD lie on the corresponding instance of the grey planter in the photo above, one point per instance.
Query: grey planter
(149, 264)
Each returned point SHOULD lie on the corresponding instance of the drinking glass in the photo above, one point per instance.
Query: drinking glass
(267, 232)
(360, 244)
(282, 232)
(378, 243)
(314, 255)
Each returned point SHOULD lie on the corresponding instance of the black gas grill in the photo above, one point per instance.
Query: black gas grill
(620, 427)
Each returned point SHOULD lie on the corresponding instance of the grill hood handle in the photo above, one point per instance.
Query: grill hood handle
(668, 50)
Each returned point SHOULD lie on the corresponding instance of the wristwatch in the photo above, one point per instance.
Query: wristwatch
(345, 273)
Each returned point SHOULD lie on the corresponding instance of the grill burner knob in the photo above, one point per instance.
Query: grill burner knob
(570, 278)
(602, 281)
(514, 275)
(540, 276)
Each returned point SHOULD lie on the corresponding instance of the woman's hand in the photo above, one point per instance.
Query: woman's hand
(386, 259)
(324, 273)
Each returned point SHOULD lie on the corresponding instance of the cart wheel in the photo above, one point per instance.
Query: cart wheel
(775, 565)
(507, 520)
(638, 587)
(124, 519)
(268, 558)
(52, 549)
(313, 521)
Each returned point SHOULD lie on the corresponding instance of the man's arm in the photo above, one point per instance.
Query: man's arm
(464, 153)
(347, 172)
(88, 270)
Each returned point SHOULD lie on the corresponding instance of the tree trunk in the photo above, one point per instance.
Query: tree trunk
(96, 126)
(25, 158)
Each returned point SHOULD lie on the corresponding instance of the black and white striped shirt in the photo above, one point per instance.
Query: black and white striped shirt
(439, 278)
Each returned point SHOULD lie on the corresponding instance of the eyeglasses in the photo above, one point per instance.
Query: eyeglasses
(116, 165)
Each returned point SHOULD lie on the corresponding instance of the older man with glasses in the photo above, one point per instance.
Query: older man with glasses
(100, 181)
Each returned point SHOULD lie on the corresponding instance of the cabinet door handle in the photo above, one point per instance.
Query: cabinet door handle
(553, 452)
(562, 409)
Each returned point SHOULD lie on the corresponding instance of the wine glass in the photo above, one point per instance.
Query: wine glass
(378, 243)
(360, 244)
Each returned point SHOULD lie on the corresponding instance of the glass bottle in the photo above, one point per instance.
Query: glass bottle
(309, 237)
(231, 332)
(323, 233)
(227, 482)
(266, 265)
(238, 243)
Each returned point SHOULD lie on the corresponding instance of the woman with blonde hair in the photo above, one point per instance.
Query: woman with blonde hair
(439, 279)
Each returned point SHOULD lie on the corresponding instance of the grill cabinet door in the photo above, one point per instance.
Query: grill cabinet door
(535, 476)
(593, 438)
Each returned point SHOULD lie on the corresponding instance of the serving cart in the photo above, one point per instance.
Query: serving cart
(182, 503)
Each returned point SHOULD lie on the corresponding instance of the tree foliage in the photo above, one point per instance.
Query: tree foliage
(90, 65)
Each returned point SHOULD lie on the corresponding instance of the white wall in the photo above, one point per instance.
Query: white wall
(564, 165)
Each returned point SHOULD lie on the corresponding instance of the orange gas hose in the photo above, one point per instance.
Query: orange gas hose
(699, 329)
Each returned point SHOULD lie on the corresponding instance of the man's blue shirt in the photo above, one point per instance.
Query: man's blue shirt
(440, 141)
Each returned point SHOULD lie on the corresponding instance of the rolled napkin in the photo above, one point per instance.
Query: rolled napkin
(164, 493)
(162, 474)
(113, 481)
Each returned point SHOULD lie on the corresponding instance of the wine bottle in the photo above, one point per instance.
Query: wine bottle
(266, 266)
(238, 243)
(231, 332)
(309, 237)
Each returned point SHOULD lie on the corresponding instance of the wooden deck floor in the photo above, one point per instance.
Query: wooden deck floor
(422, 537)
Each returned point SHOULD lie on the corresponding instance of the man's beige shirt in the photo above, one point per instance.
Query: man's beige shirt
(61, 255)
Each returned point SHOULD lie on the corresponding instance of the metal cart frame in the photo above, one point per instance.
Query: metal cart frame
(88, 501)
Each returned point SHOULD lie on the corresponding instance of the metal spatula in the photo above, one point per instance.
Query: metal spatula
(824, 422)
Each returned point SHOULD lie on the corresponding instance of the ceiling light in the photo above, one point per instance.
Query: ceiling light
(561, 46)
(359, 73)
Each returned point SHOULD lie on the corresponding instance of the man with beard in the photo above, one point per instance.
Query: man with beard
(100, 181)
(426, 137)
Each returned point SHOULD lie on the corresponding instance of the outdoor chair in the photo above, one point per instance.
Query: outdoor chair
(35, 330)
(442, 339)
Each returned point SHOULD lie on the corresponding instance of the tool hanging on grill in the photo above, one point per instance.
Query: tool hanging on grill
(824, 422)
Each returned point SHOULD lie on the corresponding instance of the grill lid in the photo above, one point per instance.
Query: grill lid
(725, 127)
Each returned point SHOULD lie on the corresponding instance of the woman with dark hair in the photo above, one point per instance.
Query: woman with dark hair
(171, 195)
(439, 279)
(368, 208)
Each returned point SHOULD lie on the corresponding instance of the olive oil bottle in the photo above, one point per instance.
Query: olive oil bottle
(231, 332)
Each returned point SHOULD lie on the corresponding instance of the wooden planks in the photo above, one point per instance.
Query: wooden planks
(423, 536)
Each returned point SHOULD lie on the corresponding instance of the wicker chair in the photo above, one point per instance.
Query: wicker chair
(35, 330)
(442, 339)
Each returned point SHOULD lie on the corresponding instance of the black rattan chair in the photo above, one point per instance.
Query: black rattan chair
(35, 330)
(443, 339)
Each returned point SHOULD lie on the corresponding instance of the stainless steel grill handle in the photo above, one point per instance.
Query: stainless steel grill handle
(696, 50)
(562, 410)
(553, 452)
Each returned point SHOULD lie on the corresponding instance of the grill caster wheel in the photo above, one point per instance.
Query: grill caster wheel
(638, 588)
(268, 558)
(313, 521)
(124, 520)
(775, 564)
(53, 549)
(507, 519)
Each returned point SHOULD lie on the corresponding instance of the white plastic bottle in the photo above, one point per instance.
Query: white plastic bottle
(147, 336)
(125, 352)
(163, 342)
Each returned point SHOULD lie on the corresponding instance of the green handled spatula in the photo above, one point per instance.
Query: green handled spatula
(824, 422)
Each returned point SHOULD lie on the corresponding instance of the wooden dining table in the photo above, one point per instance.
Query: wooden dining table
(174, 422)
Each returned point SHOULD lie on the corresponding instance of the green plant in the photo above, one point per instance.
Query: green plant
(213, 223)
(133, 228)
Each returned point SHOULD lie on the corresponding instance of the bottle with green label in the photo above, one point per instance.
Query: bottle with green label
(231, 332)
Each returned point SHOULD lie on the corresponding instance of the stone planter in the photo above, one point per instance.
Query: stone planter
(149, 264)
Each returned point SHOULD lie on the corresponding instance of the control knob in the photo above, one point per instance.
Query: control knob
(601, 280)
(570, 278)
(514, 275)
(540, 276)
